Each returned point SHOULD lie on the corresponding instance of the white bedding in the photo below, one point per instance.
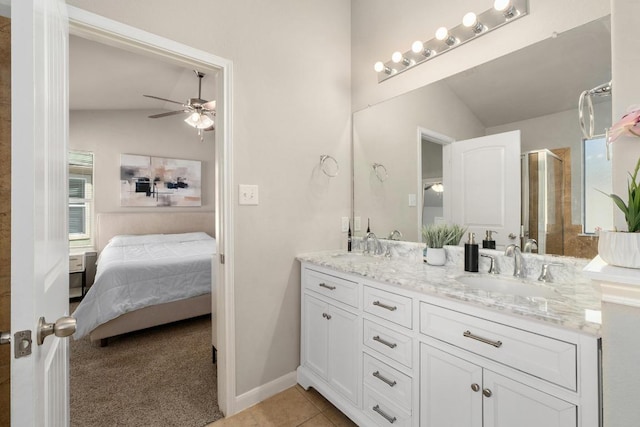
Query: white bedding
(138, 271)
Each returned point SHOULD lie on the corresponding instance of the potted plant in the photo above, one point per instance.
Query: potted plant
(436, 236)
(623, 248)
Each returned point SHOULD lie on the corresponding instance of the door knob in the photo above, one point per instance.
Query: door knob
(63, 327)
(5, 337)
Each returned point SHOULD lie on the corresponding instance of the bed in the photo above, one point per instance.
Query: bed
(152, 269)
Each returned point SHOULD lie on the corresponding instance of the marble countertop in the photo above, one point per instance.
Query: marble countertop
(574, 302)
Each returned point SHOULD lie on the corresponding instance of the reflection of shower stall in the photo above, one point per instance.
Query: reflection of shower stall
(542, 200)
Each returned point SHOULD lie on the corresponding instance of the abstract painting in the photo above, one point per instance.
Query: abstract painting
(158, 181)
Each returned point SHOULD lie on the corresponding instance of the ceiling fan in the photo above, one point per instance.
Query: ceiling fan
(201, 111)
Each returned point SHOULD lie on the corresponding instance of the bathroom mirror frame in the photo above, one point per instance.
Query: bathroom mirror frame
(381, 198)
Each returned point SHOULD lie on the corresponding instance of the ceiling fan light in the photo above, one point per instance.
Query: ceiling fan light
(199, 120)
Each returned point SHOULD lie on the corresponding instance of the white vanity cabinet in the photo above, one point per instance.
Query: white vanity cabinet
(331, 330)
(389, 355)
(462, 394)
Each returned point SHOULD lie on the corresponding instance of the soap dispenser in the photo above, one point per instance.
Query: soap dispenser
(488, 242)
(471, 254)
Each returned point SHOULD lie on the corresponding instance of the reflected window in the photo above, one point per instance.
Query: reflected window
(598, 211)
(80, 198)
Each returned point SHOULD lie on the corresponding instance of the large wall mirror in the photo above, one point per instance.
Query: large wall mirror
(535, 91)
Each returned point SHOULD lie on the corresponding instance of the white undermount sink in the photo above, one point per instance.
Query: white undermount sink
(507, 286)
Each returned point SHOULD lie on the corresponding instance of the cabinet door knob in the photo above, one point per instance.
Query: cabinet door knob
(475, 387)
(487, 392)
(326, 316)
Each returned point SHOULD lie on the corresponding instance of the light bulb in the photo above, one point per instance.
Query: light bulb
(417, 46)
(378, 66)
(396, 57)
(438, 188)
(501, 5)
(469, 20)
(442, 33)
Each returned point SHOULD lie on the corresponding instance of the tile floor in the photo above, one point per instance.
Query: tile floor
(290, 408)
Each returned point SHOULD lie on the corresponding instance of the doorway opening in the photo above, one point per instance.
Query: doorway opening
(183, 60)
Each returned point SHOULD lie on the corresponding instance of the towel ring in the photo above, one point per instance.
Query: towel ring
(325, 166)
(380, 171)
(586, 132)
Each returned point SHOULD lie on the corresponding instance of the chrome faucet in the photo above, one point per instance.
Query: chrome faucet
(395, 235)
(378, 247)
(514, 251)
(529, 245)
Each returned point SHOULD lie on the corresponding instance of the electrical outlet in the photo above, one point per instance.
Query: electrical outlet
(248, 194)
(345, 224)
(356, 224)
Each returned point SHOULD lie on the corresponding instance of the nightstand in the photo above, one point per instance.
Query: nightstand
(82, 271)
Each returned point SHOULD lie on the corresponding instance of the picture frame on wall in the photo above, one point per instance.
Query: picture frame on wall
(149, 181)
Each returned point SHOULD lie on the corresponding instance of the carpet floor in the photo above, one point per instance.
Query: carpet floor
(161, 376)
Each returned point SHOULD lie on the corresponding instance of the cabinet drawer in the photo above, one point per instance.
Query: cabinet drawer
(333, 287)
(387, 381)
(383, 411)
(389, 306)
(538, 355)
(76, 263)
(395, 345)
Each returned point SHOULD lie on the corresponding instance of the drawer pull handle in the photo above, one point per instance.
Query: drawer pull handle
(384, 414)
(388, 307)
(496, 344)
(326, 316)
(324, 285)
(387, 381)
(385, 342)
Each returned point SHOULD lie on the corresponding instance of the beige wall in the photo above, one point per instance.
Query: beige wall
(108, 134)
(291, 104)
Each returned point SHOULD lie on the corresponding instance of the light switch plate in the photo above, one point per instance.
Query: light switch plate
(248, 194)
(412, 200)
(356, 224)
(345, 224)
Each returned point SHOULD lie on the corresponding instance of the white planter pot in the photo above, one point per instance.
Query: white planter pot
(436, 256)
(619, 248)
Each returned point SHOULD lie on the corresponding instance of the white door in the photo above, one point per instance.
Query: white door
(450, 390)
(39, 239)
(343, 353)
(315, 336)
(481, 177)
(510, 403)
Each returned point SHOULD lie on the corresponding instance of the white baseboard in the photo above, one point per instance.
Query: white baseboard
(265, 391)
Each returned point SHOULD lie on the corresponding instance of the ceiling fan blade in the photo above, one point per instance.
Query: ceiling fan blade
(170, 113)
(211, 105)
(164, 99)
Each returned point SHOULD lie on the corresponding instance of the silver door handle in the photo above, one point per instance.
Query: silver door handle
(385, 342)
(63, 327)
(496, 344)
(385, 380)
(5, 338)
(388, 307)
(384, 414)
(324, 285)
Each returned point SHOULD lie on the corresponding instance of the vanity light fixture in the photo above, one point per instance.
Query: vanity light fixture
(443, 35)
(470, 20)
(472, 27)
(418, 47)
(506, 7)
(398, 57)
(380, 67)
